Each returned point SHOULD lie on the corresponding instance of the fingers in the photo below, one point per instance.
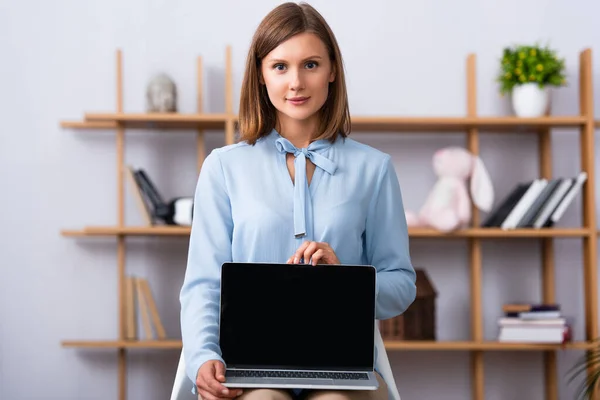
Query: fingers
(300, 252)
(211, 390)
(220, 372)
(209, 382)
(313, 253)
(309, 251)
(319, 254)
(216, 388)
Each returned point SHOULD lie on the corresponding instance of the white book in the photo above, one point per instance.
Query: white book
(529, 315)
(524, 203)
(568, 198)
(532, 335)
(531, 323)
(552, 203)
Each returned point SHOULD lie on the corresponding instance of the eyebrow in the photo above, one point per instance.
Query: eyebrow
(306, 59)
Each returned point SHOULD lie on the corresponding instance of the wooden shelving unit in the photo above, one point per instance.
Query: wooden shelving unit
(472, 126)
(124, 344)
(495, 233)
(364, 124)
(390, 345)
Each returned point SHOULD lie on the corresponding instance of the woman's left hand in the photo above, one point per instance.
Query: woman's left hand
(314, 253)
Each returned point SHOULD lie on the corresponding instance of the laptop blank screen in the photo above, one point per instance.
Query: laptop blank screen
(297, 316)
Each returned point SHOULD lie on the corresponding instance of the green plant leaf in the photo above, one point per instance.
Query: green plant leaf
(530, 63)
(589, 361)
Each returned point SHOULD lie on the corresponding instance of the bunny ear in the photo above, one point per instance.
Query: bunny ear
(482, 191)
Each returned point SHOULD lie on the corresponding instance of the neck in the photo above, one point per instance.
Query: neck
(299, 132)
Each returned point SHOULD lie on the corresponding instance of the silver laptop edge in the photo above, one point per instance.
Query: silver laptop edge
(370, 383)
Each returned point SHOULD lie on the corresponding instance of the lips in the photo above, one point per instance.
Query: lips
(297, 100)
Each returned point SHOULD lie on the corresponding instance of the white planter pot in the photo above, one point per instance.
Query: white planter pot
(529, 100)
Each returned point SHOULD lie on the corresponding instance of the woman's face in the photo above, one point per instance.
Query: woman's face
(297, 74)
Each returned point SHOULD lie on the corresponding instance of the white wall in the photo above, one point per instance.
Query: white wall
(406, 58)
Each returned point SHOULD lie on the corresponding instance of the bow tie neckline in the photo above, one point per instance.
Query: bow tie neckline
(301, 193)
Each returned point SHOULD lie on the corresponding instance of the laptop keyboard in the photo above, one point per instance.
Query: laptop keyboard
(295, 374)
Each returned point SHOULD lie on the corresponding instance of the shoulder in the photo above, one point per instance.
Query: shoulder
(366, 156)
(230, 150)
(350, 144)
(237, 160)
(233, 154)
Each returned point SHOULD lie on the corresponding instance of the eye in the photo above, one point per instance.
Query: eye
(311, 64)
(279, 67)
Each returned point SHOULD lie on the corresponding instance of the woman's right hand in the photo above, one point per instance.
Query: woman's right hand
(209, 381)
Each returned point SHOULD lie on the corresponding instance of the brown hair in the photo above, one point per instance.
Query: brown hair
(257, 116)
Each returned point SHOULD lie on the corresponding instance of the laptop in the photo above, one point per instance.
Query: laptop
(298, 326)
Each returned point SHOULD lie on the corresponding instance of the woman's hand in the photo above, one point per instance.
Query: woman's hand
(209, 381)
(314, 253)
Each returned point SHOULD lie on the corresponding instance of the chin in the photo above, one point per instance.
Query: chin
(299, 114)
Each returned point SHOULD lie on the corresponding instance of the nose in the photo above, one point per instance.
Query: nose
(296, 80)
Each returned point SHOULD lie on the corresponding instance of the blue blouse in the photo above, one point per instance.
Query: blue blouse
(248, 209)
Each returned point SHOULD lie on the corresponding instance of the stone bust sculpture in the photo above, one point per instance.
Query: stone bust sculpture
(161, 94)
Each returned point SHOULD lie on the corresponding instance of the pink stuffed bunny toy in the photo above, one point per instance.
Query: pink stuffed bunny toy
(448, 206)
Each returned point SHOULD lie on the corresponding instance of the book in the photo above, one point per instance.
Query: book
(138, 195)
(558, 334)
(528, 307)
(178, 211)
(524, 203)
(533, 323)
(140, 307)
(151, 305)
(529, 217)
(538, 203)
(568, 198)
(130, 309)
(499, 214)
(542, 218)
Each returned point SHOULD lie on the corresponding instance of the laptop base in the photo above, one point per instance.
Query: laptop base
(303, 383)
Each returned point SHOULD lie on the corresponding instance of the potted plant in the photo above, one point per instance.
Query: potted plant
(527, 72)
(590, 361)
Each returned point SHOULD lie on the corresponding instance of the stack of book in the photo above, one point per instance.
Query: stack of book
(535, 204)
(533, 323)
(141, 307)
(177, 211)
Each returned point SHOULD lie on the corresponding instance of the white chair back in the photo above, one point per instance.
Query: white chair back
(182, 386)
(383, 366)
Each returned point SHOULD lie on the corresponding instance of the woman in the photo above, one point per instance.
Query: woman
(294, 189)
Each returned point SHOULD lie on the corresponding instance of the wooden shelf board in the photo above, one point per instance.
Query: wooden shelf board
(459, 124)
(161, 120)
(359, 123)
(486, 345)
(390, 345)
(124, 344)
(500, 233)
(129, 231)
(88, 125)
(413, 232)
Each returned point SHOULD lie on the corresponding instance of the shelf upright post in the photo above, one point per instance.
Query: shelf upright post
(547, 261)
(590, 241)
(201, 145)
(477, 360)
(120, 156)
(589, 210)
(230, 117)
